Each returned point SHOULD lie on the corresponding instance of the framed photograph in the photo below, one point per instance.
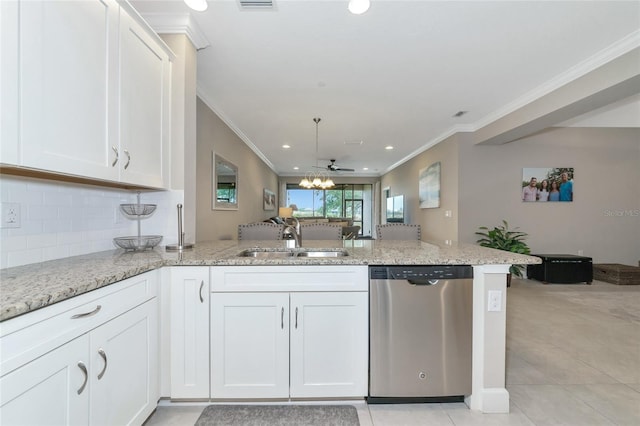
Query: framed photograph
(547, 184)
(429, 186)
(268, 199)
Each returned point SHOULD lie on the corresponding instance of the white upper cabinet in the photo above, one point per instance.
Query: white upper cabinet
(8, 79)
(67, 97)
(145, 83)
(93, 92)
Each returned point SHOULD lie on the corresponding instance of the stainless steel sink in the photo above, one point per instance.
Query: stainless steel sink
(279, 254)
(263, 254)
(323, 253)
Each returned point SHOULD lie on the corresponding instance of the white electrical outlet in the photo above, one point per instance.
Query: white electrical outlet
(10, 215)
(448, 213)
(495, 301)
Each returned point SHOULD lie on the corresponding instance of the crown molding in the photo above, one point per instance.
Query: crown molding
(614, 51)
(177, 23)
(203, 97)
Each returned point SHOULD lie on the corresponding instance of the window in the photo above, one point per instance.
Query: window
(352, 201)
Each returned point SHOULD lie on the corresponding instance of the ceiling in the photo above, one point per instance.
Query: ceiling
(394, 76)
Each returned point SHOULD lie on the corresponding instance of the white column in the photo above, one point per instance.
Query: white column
(488, 392)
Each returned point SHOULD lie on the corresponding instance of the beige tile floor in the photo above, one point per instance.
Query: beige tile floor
(573, 359)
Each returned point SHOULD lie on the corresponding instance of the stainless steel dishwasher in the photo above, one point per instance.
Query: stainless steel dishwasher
(420, 333)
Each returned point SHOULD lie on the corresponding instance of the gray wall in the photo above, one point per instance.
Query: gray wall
(403, 180)
(603, 221)
(213, 135)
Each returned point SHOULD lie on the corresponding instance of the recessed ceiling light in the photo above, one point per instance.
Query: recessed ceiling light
(197, 5)
(296, 168)
(358, 7)
(365, 168)
(388, 147)
(285, 146)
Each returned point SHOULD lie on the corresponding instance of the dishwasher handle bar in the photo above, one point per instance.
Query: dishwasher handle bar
(423, 281)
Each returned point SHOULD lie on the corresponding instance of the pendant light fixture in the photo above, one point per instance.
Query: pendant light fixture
(313, 180)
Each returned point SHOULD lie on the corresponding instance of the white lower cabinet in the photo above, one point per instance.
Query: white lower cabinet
(249, 345)
(329, 344)
(124, 368)
(90, 361)
(51, 390)
(189, 332)
(289, 345)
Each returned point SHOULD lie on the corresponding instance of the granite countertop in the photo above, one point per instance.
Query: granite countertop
(30, 287)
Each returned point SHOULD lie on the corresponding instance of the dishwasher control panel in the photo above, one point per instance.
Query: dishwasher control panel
(413, 272)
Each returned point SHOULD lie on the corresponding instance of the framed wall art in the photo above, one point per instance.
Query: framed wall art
(547, 184)
(429, 186)
(268, 199)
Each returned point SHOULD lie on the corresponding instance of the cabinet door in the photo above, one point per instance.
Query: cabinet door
(8, 78)
(144, 106)
(189, 332)
(249, 345)
(68, 104)
(51, 390)
(124, 374)
(329, 344)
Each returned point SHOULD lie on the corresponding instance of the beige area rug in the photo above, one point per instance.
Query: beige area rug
(270, 415)
(622, 305)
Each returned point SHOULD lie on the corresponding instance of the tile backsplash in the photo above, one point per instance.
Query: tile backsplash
(61, 219)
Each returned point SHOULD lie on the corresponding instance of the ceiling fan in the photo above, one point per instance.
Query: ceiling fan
(333, 168)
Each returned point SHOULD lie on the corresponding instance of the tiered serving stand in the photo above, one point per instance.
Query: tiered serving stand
(140, 242)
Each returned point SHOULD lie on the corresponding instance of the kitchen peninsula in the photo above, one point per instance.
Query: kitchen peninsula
(26, 289)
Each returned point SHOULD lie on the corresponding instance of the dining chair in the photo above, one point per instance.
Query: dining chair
(320, 231)
(260, 231)
(398, 231)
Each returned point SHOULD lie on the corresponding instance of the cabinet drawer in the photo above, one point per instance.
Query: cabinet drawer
(289, 278)
(33, 334)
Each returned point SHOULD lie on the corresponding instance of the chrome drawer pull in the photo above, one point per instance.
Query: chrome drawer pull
(296, 317)
(282, 319)
(83, 368)
(117, 156)
(87, 314)
(201, 287)
(104, 357)
(128, 159)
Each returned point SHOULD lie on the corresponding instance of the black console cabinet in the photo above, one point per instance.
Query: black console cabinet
(562, 268)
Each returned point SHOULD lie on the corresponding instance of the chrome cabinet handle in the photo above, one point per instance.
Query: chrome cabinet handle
(83, 368)
(87, 314)
(117, 156)
(128, 159)
(296, 317)
(201, 287)
(104, 357)
(282, 319)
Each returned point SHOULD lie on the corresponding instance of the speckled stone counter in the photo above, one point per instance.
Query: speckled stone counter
(30, 287)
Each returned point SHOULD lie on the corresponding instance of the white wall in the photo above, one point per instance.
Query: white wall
(603, 221)
(64, 219)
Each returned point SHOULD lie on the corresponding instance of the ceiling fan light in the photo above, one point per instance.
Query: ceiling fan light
(197, 5)
(358, 7)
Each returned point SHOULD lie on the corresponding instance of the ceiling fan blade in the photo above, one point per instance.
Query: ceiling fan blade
(342, 169)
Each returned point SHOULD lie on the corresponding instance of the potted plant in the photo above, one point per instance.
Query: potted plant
(503, 238)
